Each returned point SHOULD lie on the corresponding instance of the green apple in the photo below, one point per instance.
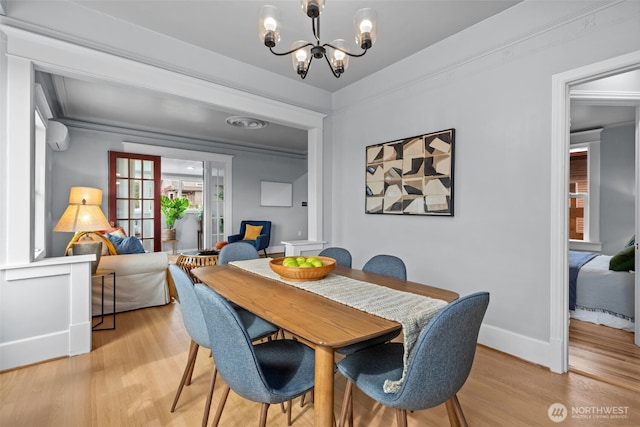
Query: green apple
(301, 259)
(290, 262)
(316, 262)
(305, 264)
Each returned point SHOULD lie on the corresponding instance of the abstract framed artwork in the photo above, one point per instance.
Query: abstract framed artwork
(411, 176)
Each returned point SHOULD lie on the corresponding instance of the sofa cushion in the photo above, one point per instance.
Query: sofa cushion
(126, 246)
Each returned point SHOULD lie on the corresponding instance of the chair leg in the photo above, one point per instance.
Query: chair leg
(193, 352)
(265, 253)
(263, 414)
(289, 412)
(193, 364)
(207, 405)
(346, 405)
(303, 398)
(223, 400)
(454, 410)
(401, 417)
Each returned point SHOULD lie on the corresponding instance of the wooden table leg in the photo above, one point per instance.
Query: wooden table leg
(323, 399)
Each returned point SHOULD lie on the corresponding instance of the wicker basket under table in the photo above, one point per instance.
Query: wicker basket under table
(187, 262)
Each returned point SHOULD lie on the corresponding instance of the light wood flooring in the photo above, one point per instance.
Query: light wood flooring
(604, 353)
(131, 376)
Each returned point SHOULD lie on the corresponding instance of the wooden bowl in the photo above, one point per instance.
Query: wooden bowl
(299, 274)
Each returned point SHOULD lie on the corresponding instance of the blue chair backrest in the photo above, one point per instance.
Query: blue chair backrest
(232, 349)
(341, 255)
(443, 354)
(237, 251)
(387, 265)
(190, 307)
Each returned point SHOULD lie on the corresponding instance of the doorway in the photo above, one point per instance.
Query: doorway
(602, 215)
(559, 297)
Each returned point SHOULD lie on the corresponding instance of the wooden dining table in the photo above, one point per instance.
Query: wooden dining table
(321, 323)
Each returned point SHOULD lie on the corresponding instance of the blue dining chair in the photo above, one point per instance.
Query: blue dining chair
(238, 251)
(386, 265)
(341, 255)
(270, 372)
(194, 323)
(438, 366)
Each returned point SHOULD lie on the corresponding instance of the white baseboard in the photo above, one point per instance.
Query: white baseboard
(33, 350)
(526, 348)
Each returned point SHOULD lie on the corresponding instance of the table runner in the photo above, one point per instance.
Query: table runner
(412, 311)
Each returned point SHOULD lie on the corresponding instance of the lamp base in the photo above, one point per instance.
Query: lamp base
(88, 248)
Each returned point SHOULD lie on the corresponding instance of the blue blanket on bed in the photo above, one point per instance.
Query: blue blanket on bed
(576, 261)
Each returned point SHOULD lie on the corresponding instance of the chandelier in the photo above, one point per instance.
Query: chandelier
(303, 52)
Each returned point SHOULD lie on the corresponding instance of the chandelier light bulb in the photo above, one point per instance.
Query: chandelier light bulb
(366, 26)
(301, 55)
(270, 24)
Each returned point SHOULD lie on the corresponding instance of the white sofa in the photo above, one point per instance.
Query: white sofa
(141, 281)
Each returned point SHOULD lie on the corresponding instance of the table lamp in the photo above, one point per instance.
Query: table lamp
(81, 216)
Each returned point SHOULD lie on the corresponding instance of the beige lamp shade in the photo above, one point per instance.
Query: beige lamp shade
(83, 212)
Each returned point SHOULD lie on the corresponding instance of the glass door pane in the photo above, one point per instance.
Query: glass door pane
(133, 196)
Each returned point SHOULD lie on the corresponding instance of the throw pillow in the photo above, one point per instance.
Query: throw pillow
(252, 232)
(118, 232)
(126, 246)
(623, 260)
(631, 242)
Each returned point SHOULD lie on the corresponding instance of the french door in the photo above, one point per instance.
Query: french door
(134, 196)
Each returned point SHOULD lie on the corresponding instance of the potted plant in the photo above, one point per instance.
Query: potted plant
(173, 210)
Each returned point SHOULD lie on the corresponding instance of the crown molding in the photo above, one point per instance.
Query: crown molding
(168, 140)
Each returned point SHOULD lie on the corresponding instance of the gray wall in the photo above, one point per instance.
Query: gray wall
(492, 83)
(617, 187)
(86, 161)
(287, 222)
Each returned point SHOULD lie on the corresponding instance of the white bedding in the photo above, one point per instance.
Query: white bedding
(604, 296)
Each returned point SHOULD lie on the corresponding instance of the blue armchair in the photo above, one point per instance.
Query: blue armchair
(261, 241)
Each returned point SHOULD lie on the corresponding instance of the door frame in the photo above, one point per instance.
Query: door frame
(559, 236)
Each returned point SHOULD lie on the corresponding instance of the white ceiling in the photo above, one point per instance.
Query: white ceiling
(230, 28)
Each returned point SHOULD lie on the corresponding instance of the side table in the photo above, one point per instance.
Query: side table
(191, 259)
(173, 245)
(102, 274)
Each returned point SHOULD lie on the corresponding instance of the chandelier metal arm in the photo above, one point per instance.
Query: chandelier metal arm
(291, 51)
(353, 55)
(336, 75)
(313, 28)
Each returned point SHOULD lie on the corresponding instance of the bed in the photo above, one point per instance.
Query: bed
(598, 294)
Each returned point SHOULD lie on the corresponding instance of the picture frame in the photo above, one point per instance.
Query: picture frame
(276, 193)
(411, 176)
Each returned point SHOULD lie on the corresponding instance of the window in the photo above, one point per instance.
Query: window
(578, 193)
(584, 191)
(40, 217)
